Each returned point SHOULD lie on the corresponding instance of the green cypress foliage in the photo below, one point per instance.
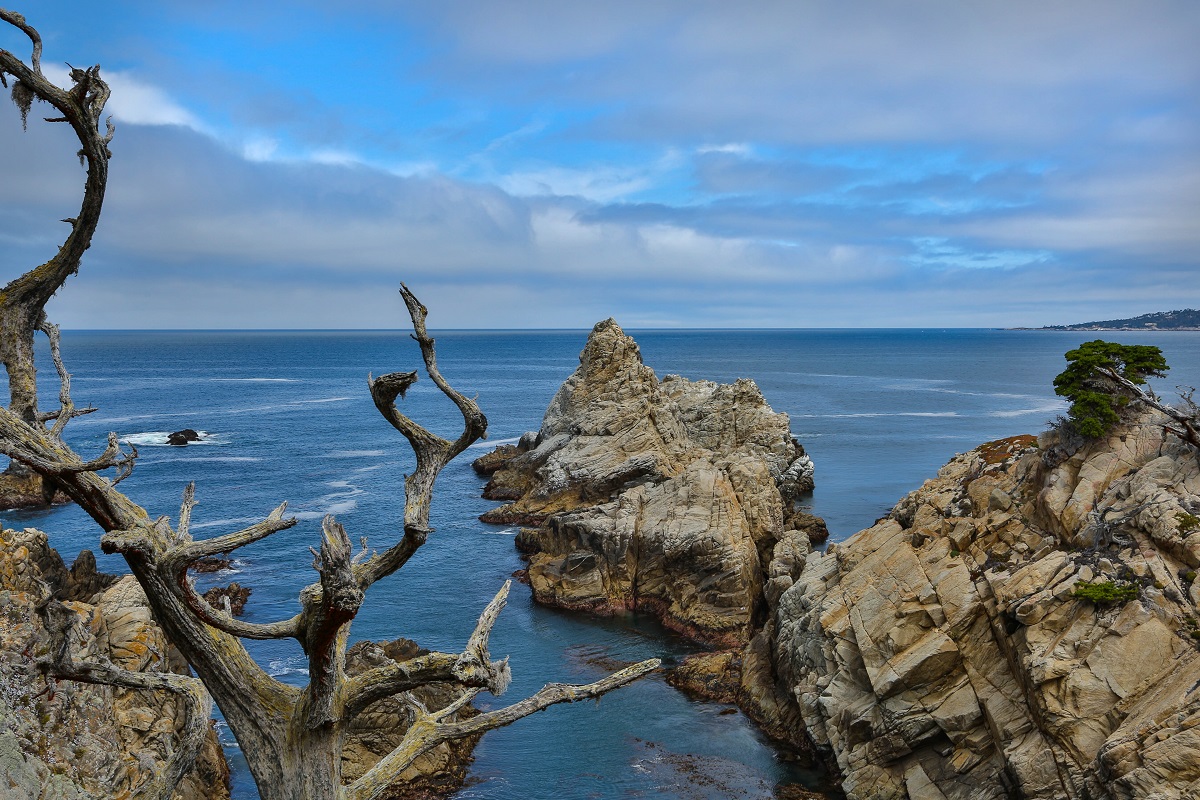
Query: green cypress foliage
(1095, 397)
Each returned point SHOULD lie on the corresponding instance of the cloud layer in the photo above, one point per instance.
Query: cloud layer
(694, 164)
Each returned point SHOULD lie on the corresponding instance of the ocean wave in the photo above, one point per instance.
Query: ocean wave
(340, 502)
(159, 439)
(290, 405)
(224, 735)
(502, 532)
(203, 459)
(1021, 412)
(494, 443)
(282, 667)
(354, 453)
(254, 380)
(232, 522)
(880, 414)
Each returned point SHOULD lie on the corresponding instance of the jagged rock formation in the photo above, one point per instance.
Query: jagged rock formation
(667, 496)
(944, 652)
(80, 741)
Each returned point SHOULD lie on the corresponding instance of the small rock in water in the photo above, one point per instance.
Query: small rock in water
(181, 438)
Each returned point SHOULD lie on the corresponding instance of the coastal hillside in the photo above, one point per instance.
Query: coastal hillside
(1023, 625)
(1187, 319)
(66, 740)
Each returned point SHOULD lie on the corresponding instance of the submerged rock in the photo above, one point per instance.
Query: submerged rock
(181, 438)
(945, 653)
(667, 496)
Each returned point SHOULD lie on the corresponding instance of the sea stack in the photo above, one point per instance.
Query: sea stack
(668, 496)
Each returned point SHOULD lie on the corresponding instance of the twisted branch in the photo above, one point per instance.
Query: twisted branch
(429, 729)
(432, 451)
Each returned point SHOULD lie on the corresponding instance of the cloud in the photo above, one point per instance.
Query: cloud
(550, 164)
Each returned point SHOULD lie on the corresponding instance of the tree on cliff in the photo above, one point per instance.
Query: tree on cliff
(292, 737)
(23, 301)
(1103, 378)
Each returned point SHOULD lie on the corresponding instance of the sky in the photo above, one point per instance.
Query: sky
(695, 164)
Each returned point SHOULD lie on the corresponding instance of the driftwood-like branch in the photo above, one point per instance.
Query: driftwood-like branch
(1186, 420)
(23, 300)
(428, 730)
(432, 451)
(55, 467)
(197, 702)
(18, 21)
(472, 667)
(179, 559)
(66, 411)
(326, 621)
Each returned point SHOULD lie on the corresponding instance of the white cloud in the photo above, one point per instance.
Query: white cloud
(133, 100)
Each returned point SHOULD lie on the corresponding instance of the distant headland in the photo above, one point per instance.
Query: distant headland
(1187, 319)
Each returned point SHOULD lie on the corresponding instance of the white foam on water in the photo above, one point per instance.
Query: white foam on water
(200, 459)
(280, 667)
(227, 523)
(354, 453)
(1021, 412)
(254, 380)
(494, 443)
(880, 414)
(159, 439)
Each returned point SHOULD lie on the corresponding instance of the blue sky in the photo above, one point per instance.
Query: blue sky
(693, 164)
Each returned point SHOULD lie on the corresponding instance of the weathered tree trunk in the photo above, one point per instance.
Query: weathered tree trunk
(23, 300)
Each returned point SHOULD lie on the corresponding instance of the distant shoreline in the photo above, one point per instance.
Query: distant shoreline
(1062, 329)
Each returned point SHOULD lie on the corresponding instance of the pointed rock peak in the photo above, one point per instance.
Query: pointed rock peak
(607, 344)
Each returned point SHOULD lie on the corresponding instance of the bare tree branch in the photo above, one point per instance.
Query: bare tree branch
(431, 729)
(432, 451)
(326, 622)
(1187, 421)
(471, 668)
(23, 300)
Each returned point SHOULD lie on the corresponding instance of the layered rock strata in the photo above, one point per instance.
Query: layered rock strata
(69, 740)
(668, 496)
(951, 651)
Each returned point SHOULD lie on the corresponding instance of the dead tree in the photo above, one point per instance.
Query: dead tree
(23, 300)
(293, 737)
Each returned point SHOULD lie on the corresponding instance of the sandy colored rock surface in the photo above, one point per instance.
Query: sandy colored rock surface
(943, 652)
(72, 740)
(667, 496)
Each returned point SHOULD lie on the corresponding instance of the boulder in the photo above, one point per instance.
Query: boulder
(181, 438)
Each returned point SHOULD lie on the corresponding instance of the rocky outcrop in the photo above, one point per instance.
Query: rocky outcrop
(668, 496)
(181, 438)
(69, 740)
(952, 651)
(379, 729)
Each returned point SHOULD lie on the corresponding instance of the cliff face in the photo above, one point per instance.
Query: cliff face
(82, 741)
(943, 652)
(667, 496)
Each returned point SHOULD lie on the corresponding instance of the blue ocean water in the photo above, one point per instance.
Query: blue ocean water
(289, 418)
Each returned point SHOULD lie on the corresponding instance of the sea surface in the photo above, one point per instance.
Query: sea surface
(288, 417)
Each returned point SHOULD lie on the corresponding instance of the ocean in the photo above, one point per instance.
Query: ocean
(288, 417)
